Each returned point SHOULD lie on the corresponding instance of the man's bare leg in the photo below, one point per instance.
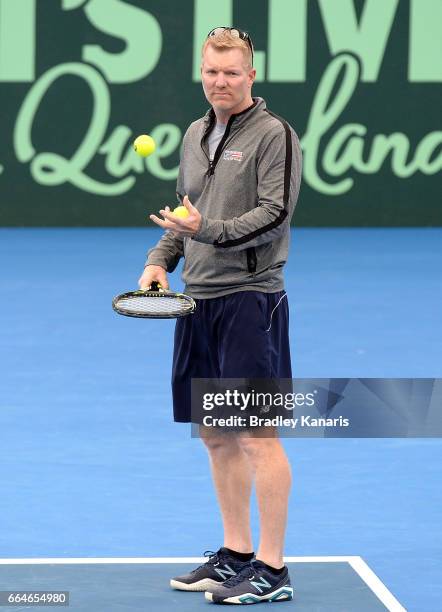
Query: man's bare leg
(233, 478)
(272, 481)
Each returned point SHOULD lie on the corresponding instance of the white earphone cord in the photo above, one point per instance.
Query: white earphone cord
(271, 314)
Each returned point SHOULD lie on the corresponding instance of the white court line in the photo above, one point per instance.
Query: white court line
(376, 585)
(357, 563)
(91, 560)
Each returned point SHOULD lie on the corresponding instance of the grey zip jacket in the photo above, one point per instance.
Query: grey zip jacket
(246, 197)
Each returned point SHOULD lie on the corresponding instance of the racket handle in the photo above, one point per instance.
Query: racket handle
(155, 286)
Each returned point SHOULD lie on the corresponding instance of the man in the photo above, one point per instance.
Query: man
(239, 180)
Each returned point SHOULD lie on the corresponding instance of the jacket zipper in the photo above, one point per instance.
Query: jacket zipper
(219, 148)
(212, 164)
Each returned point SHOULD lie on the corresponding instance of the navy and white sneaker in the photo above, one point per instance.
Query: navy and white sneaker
(220, 566)
(253, 584)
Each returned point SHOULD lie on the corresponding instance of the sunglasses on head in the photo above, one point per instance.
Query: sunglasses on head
(236, 33)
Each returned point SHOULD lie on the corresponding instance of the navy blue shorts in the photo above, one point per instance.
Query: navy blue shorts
(240, 335)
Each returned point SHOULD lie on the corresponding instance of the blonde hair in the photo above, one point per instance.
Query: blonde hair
(225, 40)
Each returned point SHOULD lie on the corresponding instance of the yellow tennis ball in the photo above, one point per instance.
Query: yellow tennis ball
(144, 145)
(181, 211)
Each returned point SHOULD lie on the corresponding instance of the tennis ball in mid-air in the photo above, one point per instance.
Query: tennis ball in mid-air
(181, 211)
(144, 145)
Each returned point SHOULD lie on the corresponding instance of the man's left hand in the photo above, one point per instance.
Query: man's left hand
(187, 226)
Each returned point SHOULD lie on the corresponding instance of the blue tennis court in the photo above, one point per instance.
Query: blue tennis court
(93, 468)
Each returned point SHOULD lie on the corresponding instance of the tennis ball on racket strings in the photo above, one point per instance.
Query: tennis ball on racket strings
(144, 145)
(180, 211)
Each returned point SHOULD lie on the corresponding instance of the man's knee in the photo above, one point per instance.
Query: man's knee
(216, 442)
(259, 449)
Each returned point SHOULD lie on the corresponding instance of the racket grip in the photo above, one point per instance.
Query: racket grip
(155, 286)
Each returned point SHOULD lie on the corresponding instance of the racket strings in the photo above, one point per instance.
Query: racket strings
(154, 305)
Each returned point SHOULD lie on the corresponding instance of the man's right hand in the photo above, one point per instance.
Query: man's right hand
(153, 273)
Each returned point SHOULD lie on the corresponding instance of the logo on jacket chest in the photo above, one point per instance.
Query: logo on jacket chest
(233, 155)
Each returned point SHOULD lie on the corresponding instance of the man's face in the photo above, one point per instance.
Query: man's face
(226, 80)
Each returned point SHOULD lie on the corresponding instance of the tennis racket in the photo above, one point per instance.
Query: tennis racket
(153, 303)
